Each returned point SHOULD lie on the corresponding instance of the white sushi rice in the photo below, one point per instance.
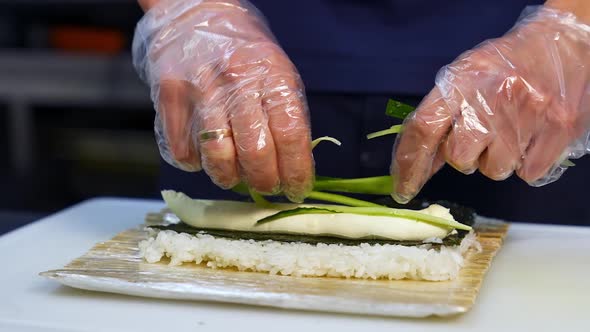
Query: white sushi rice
(363, 261)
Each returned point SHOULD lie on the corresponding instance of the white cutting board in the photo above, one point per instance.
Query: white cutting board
(540, 281)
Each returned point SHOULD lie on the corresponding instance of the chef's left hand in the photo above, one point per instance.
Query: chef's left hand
(517, 103)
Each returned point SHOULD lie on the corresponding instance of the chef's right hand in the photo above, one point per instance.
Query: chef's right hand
(227, 98)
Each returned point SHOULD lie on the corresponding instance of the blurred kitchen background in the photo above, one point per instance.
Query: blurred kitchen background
(75, 119)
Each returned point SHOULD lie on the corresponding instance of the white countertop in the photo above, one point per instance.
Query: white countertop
(539, 281)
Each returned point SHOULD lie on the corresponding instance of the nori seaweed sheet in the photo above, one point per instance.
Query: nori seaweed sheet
(451, 240)
(462, 214)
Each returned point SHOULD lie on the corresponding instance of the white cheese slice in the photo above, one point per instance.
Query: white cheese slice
(242, 216)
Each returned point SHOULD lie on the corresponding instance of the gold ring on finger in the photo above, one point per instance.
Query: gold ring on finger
(216, 134)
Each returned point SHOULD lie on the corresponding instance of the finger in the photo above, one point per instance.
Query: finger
(175, 116)
(416, 147)
(512, 129)
(254, 143)
(213, 131)
(469, 137)
(218, 155)
(545, 133)
(544, 153)
(284, 103)
(546, 147)
(499, 160)
(438, 162)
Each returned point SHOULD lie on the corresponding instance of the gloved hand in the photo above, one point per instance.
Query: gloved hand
(227, 98)
(517, 103)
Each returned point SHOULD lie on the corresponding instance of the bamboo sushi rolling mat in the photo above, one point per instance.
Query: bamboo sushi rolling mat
(115, 266)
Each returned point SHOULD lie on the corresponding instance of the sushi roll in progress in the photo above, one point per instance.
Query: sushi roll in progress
(226, 234)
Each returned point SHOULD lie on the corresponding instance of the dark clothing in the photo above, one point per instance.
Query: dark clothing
(383, 46)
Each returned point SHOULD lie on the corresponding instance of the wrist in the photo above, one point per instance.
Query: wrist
(147, 4)
(580, 8)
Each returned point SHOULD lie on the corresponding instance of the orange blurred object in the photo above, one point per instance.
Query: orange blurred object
(87, 40)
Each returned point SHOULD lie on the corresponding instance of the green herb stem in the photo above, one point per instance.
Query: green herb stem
(393, 130)
(259, 199)
(317, 141)
(241, 188)
(567, 163)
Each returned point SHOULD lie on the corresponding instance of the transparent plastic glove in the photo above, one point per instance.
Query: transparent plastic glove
(519, 103)
(227, 98)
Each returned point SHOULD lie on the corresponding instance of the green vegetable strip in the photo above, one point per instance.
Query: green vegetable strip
(369, 211)
(294, 212)
(403, 213)
(340, 199)
(398, 110)
(393, 130)
(317, 141)
(324, 178)
(378, 185)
